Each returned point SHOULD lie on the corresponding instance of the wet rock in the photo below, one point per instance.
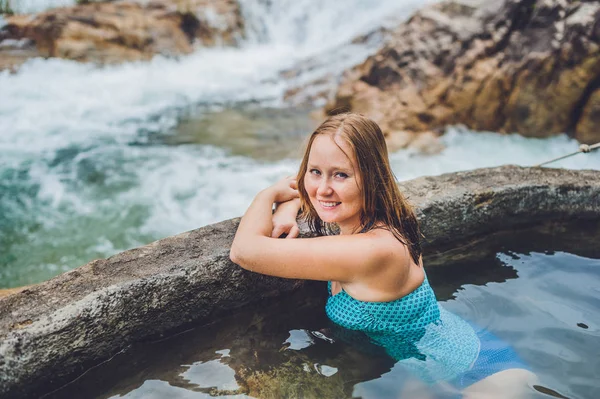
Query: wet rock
(586, 130)
(209, 22)
(523, 66)
(13, 53)
(115, 32)
(427, 142)
(52, 332)
(245, 129)
(10, 291)
(307, 86)
(466, 205)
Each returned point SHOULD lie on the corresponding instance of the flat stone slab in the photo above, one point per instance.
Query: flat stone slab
(53, 331)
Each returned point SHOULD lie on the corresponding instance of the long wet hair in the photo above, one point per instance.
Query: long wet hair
(383, 204)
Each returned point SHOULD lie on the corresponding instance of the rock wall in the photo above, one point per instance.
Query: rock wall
(121, 31)
(525, 66)
(52, 332)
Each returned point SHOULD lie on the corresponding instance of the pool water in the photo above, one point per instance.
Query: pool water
(545, 303)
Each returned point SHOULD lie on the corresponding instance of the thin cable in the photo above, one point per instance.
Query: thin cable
(582, 148)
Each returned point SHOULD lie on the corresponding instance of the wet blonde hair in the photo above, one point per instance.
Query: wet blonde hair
(383, 204)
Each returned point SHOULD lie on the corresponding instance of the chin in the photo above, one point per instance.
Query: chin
(328, 217)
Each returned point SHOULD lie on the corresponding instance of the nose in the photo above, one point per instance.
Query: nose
(324, 188)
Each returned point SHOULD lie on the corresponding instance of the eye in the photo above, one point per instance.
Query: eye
(341, 175)
(315, 172)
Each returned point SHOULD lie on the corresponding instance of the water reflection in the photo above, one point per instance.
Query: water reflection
(213, 376)
(279, 349)
(286, 348)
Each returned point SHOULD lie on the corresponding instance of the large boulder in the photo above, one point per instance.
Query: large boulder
(122, 31)
(52, 332)
(525, 66)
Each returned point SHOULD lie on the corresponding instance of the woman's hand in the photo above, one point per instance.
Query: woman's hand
(285, 189)
(284, 219)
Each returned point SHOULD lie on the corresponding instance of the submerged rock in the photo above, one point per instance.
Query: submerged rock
(115, 32)
(525, 66)
(52, 332)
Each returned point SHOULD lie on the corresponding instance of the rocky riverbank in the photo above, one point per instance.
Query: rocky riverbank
(524, 66)
(120, 31)
(53, 331)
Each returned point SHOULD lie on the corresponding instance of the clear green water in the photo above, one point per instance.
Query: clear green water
(81, 203)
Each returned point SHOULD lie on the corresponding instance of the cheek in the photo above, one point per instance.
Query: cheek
(356, 196)
(309, 186)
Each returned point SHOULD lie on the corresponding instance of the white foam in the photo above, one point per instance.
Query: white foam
(53, 102)
(313, 26)
(209, 187)
(31, 6)
(466, 150)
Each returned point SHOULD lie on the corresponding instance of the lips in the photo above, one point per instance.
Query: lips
(329, 204)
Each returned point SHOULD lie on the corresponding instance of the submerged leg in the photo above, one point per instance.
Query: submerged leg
(506, 384)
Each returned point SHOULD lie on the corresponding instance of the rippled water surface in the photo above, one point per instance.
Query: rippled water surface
(543, 301)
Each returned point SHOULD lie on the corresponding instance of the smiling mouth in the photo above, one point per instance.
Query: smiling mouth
(329, 204)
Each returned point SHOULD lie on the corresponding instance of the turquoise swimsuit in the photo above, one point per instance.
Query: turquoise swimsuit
(433, 343)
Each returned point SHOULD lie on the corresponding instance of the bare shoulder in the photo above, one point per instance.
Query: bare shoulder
(386, 241)
(373, 247)
(393, 275)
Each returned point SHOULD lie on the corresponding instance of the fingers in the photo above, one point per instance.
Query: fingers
(286, 189)
(277, 231)
(287, 194)
(291, 180)
(294, 232)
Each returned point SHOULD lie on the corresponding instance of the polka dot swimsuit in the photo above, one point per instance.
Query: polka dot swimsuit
(408, 315)
(446, 345)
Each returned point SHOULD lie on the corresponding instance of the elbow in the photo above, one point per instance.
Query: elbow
(236, 256)
(245, 253)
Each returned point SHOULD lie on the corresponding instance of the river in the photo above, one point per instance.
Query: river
(97, 160)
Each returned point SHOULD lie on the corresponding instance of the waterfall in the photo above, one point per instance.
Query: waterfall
(32, 6)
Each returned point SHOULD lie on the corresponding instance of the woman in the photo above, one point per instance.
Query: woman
(377, 284)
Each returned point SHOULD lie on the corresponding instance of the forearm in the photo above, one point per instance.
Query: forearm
(255, 223)
(257, 219)
(289, 207)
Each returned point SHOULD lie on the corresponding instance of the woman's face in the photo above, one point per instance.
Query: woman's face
(333, 182)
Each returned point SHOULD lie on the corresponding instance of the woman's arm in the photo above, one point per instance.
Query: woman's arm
(340, 258)
(284, 219)
(257, 221)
